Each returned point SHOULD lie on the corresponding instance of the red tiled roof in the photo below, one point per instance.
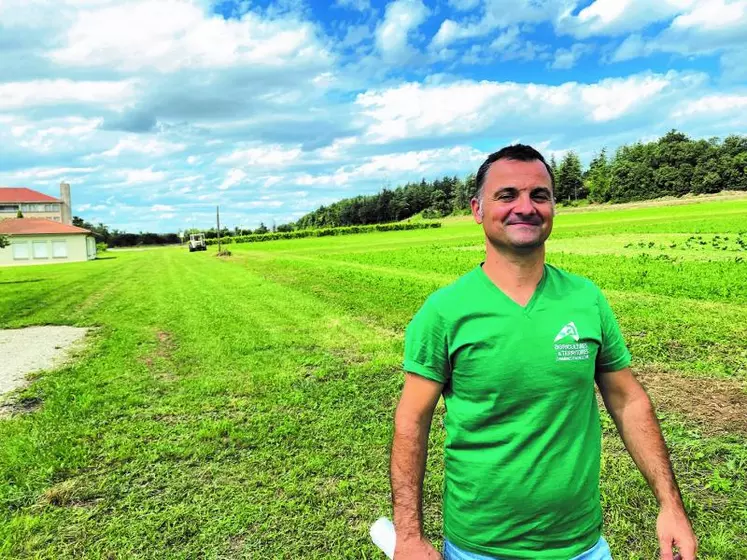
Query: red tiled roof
(10, 194)
(36, 226)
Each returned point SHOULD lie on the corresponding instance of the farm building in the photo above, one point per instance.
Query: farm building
(45, 234)
(43, 241)
(33, 204)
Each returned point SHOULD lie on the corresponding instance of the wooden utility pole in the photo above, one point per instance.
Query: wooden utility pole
(217, 215)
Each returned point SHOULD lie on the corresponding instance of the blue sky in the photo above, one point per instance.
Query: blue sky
(156, 111)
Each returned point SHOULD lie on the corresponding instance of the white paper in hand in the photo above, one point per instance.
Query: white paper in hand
(382, 534)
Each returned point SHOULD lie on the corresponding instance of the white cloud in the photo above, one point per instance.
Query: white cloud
(567, 58)
(632, 47)
(450, 31)
(712, 15)
(713, 104)
(397, 167)
(464, 5)
(611, 99)
(52, 135)
(264, 156)
(162, 208)
(706, 27)
(402, 18)
(507, 39)
(260, 204)
(142, 145)
(57, 172)
(498, 16)
(36, 93)
(167, 216)
(467, 107)
(233, 178)
(168, 35)
(617, 17)
(710, 26)
(139, 176)
(360, 5)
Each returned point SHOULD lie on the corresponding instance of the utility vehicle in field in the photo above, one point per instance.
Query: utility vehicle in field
(197, 242)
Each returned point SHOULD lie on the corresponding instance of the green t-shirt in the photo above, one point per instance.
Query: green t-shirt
(523, 436)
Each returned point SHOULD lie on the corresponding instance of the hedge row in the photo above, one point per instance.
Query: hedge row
(323, 232)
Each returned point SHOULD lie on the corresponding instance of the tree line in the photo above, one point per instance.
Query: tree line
(118, 238)
(673, 165)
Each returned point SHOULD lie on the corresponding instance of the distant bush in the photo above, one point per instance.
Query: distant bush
(101, 247)
(298, 234)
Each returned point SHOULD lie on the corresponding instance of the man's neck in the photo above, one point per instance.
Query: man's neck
(515, 273)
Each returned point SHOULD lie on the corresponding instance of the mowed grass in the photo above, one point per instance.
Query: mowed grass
(241, 407)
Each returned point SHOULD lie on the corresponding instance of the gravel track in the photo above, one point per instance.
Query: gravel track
(33, 349)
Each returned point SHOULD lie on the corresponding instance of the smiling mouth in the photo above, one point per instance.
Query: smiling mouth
(523, 224)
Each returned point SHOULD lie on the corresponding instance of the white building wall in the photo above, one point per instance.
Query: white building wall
(47, 249)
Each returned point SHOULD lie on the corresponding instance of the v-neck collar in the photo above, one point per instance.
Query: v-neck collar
(525, 309)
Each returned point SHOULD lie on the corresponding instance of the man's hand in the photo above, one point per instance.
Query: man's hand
(415, 549)
(673, 527)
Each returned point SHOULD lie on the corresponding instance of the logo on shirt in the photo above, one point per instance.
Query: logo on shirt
(567, 345)
(569, 330)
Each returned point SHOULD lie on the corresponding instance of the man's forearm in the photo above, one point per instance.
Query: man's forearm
(640, 430)
(409, 453)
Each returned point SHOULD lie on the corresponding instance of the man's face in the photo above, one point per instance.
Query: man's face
(517, 204)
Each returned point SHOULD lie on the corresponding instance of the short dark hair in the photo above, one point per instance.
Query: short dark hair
(516, 152)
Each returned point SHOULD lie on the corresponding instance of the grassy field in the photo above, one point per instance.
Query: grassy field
(241, 407)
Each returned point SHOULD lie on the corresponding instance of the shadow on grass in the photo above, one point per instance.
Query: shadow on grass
(23, 281)
(104, 258)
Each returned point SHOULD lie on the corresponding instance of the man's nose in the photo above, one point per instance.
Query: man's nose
(524, 205)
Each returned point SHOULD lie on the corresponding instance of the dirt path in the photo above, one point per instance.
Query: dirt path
(32, 349)
(716, 406)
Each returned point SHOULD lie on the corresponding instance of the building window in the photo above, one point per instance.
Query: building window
(9, 208)
(59, 249)
(20, 250)
(33, 207)
(51, 208)
(40, 250)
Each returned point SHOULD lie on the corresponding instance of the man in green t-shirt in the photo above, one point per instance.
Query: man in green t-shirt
(515, 347)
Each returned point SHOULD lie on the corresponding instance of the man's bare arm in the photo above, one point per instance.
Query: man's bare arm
(412, 422)
(631, 409)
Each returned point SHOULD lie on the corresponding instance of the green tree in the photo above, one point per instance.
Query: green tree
(706, 178)
(597, 178)
(554, 166)
(439, 203)
(261, 229)
(569, 182)
(19, 214)
(4, 242)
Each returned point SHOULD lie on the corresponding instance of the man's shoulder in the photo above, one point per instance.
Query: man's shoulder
(570, 283)
(454, 292)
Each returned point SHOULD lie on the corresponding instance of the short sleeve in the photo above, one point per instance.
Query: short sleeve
(426, 346)
(613, 354)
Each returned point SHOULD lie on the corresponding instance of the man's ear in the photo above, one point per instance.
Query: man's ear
(476, 206)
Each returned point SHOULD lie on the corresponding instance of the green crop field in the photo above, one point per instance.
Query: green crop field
(241, 407)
